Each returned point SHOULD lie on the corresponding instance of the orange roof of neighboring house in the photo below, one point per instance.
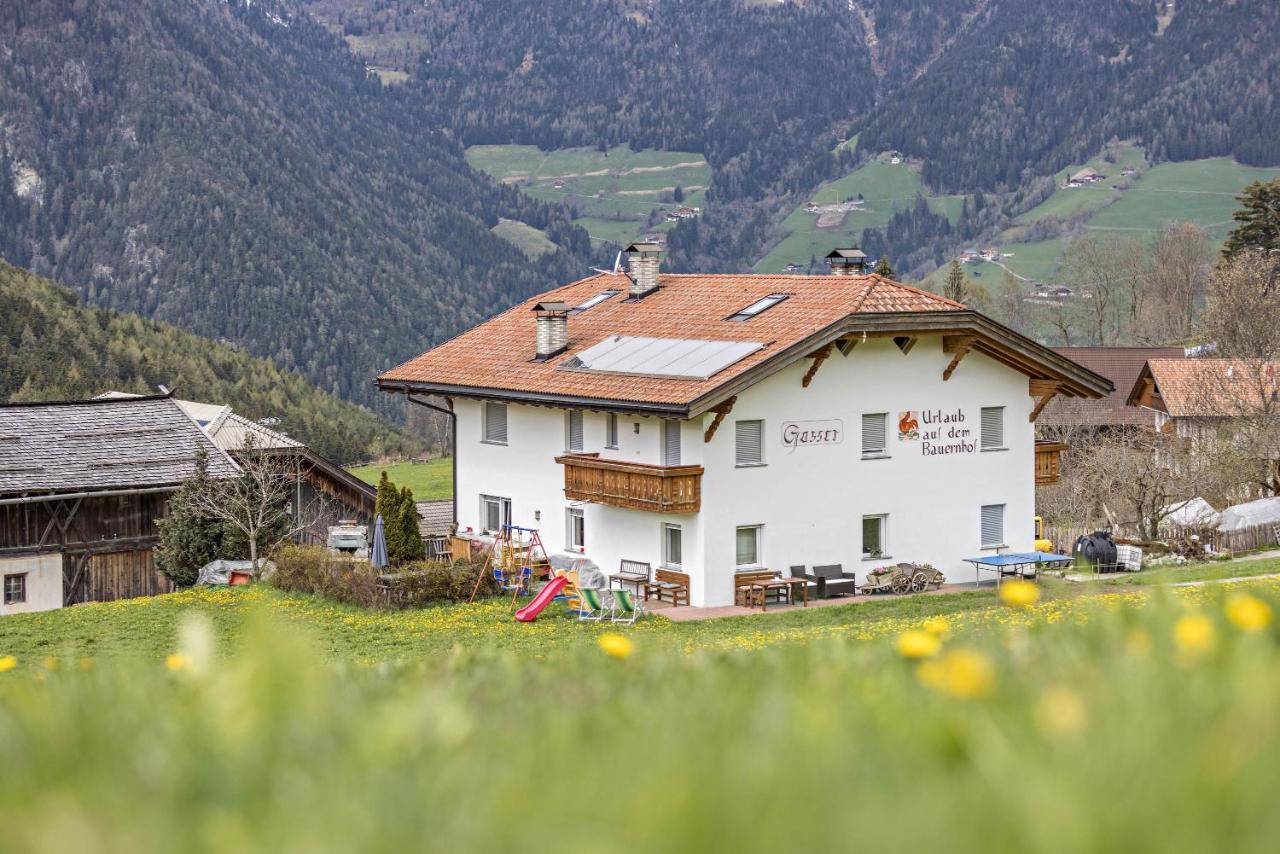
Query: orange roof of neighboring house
(1121, 365)
(1207, 388)
(495, 359)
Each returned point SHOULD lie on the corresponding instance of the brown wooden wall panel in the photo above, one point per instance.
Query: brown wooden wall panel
(125, 575)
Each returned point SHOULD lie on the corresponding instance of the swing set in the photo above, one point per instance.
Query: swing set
(515, 555)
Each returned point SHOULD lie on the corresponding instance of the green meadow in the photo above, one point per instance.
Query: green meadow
(245, 720)
(614, 191)
(429, 480)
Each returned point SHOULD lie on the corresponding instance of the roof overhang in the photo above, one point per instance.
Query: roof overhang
(989, 337)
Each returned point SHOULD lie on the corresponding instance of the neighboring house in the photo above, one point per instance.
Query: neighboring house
(1120, 365)
(81, 485)
(346, 495)
(1201, 400)
(713, 423)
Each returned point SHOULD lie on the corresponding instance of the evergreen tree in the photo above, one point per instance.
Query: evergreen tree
(957, 287)
(387, 502)
(678, 193)
(1258, 218)
(884, 268)
(189, 538)
(410, 546)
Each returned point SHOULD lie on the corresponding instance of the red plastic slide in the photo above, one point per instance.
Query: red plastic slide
(530, 612)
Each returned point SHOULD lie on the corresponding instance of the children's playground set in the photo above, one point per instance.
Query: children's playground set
(517, 561)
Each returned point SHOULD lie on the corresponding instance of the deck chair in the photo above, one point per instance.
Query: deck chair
(625, 607)
(591, 608)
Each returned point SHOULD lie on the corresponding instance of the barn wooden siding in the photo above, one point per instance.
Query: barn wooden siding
(108, 523)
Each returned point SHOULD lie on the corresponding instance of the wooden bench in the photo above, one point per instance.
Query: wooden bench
(668, 582)
(633, 572)
(742, 582)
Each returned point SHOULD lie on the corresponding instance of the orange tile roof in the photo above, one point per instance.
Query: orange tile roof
(1208, 388)
(498, 353)
(1121, 365)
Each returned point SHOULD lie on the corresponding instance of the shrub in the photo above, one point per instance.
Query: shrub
(320, 572)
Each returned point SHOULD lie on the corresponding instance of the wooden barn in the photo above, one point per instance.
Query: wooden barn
(81, 485)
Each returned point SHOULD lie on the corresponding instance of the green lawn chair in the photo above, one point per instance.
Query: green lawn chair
(591, 608)
(625, 607)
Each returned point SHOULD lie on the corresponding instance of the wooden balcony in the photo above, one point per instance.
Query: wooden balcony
(634, 486)
(1048, 462)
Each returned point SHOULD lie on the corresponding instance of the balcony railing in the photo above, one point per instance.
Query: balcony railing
(1048, 462)
(634, 486)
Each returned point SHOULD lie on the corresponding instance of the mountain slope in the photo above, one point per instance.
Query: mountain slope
(53, 347)
(236, 172)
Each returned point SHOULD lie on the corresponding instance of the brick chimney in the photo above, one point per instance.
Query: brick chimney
(553, 329)
(643, 260)
(847, 262)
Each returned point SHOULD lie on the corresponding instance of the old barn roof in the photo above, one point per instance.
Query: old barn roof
(1121, 365)
(93, 445)
(495, 359)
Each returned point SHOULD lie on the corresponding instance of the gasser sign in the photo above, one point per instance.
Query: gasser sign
(939, 432)
(804, 434)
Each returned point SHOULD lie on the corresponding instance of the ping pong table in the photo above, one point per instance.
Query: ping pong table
(1015, 564)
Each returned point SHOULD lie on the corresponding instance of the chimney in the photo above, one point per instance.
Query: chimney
(847, 262)
(643, 260)
(553, 329)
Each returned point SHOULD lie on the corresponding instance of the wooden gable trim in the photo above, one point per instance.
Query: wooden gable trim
(959, 346)
(721, 410)
(1043, 391)
(819, 356)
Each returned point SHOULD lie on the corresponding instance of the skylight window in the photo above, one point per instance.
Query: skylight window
(757, 307)
(593, 302)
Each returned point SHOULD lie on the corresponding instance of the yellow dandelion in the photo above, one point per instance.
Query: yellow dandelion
(963, 673)
(1060, 711)
(86, 663)
(938, 626)
(1018, 593)
(1138, 643)
(175, 661)
(50, 663)
(615, 645)
(916, 644)
(7, 663)
(1193, 634)
(1248, 613)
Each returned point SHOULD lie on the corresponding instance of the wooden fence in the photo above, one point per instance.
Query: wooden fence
(1256, 537)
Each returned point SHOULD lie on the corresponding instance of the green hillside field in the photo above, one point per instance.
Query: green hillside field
(430, 480)
(614, 191)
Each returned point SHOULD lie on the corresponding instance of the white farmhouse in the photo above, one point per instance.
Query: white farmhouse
(717, 423)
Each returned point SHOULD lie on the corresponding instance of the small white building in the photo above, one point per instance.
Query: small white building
(716, 423)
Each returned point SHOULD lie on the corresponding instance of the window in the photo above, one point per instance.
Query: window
(874, 435)
(993, 428)
(495, 423)
(611, 430)
(875, 536)
(15, 589)
(748, 546)
(672, 545)
(495, 513)
(593, 302)
(671, 443)
(992, 526)
(573, 430)
(760, 305)
(574, 536)
(749, 443)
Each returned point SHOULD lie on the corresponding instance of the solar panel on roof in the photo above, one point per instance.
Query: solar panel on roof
(664, 357)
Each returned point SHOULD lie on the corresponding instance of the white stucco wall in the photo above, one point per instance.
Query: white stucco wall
(810, 500)
(44, 582)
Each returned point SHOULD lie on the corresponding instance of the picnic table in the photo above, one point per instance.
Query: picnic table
(1016, 564)
(760, 590)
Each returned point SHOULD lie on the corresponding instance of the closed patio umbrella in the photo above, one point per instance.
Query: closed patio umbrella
(378, 555)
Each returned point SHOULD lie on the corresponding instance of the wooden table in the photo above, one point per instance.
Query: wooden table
(760, 590)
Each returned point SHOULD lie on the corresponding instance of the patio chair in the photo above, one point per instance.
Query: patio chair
(625, 607)
(834, 581)
(592, 608)
(799, 572)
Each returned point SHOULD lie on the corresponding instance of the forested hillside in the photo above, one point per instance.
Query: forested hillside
(53, 347)
(236, 172)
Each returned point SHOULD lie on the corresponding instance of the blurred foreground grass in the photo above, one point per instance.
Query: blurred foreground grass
(1141, 721)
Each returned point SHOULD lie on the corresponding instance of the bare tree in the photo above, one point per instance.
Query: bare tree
(257, 503)
(1095, 266)
(1176, 280)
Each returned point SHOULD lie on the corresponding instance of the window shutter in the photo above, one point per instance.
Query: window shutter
(671, 443)
(873, 434)
(495, 423)
(748, 450)
(575, 429)
(993, 525)
(992, 427)
(611, 430)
